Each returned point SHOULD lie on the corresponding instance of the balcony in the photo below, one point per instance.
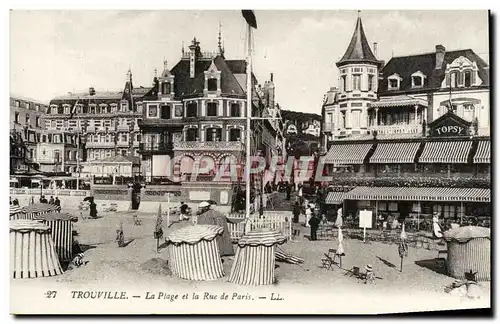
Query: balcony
(158, 148)
(123, 144)
(208, 146)
(100, 144)
(398, 129)
(123, 128)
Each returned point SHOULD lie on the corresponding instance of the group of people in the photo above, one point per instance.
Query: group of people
(51, 201)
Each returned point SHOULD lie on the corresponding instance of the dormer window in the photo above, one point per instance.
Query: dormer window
(461, 73)
(124, 106)
(53, 109)
(212, 84)
(166, 88)
(67, 109)
(92, 109)
(467, 78)
(417, 79)
(394, 82)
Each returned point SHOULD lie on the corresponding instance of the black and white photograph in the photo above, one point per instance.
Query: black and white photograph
(234, 162)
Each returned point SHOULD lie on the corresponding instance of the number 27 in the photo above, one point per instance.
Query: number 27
(51, 294)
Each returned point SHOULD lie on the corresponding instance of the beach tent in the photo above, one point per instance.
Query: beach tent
(194, 254)
(32, 211)
(61, 225)
(32, 252)
(255, 257)
(214, 217)
(469, 249)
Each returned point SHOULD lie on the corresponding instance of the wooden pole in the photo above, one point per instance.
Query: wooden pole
(168, 210)
(401, 269)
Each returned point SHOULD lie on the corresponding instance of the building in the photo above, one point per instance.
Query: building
(195, 115)
(409, 138)
(114, 170)
(26, 123)
(56, 152)
(106, 121)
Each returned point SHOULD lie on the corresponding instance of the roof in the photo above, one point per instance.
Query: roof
(104, 95)
(399, 101)
(184, 85)
(358, 50)
(405, 66)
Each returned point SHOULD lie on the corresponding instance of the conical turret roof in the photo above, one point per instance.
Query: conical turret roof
(359, 50)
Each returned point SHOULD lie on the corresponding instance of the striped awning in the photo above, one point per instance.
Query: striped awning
(262, 237)
(483, 153)
(347, 153)
(335, 198)
(41, 208)
(420, 194)
(53, 216)
(194, 234)
(395, 152)
(15, 209)
(446, 152)
(398, 102)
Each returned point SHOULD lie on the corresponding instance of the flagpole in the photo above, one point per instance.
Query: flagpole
(249, 115)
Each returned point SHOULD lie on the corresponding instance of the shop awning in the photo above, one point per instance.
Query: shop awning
(395, 153)
(335, 198)
(419, 194)
(483, 153)
(398, 102)
(347, 153)
(446, 152)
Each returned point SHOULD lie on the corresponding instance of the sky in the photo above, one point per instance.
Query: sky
(55, 52)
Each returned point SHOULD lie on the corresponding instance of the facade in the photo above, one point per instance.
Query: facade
(56, 152)
(107, 122)
(26, 124)
(414, 143)
(196, 114)
(114, 170)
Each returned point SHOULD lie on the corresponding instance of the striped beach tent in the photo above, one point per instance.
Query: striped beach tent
(469, 249)
(194, 254)
(61, 225)
(37, 209)
(15, 210)
(32, 252)
(255, 257)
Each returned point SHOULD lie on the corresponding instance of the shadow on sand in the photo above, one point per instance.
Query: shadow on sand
(387, 263)
(436, 265)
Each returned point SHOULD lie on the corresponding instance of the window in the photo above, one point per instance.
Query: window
(343, 120)
(27, 120)
(192, 110)
(417, 81)
(138, 137)
(166, 112)
(152, 110)
(356, 118)
(166, 88)
(192, 134)
(107, 123)
(371, 84)
(124, 106)
(17, 104)
(467, 79)
(454, 79)
(37, 107)
(57, 156)
(234, 134)
(16, 118)
(356, 82)
(32, 153)
(393, 84)
(343, 83)
(92, 109)
(124, 138)
(213, 134)
(212, 84)
(211, 109)
(37, 121)
(235, 110)
(124, 152)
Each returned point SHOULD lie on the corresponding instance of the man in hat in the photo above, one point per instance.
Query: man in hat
(183, 211)
(203, 207)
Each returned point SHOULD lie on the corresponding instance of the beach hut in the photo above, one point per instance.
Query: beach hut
(255, 257)
(14, 211)
(61, 225)
(32, 252)
(194, 254)
(31, 211)
(469, 249)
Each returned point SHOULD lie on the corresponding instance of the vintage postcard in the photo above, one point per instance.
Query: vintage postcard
(249, 162)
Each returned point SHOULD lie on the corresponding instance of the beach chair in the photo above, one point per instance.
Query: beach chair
(355, 272)
(328, 261)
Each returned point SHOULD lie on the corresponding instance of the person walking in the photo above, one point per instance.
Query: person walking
(296, 212)
(314, 223)
(57, 202)
(93, 209)
(309, 214)
(51, 200)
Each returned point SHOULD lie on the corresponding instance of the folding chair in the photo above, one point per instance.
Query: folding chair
(354, 272)
(328, 260)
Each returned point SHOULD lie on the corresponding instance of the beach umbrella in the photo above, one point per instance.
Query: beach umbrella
(158, 233)
(340, 247)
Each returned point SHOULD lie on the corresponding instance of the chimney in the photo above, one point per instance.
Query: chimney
(440, 51)
(375, 49)
(272, 77)
(91, 91)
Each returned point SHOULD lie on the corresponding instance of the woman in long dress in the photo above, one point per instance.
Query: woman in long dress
(213, 217)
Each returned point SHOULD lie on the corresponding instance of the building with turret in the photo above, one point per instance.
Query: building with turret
(410, 138)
